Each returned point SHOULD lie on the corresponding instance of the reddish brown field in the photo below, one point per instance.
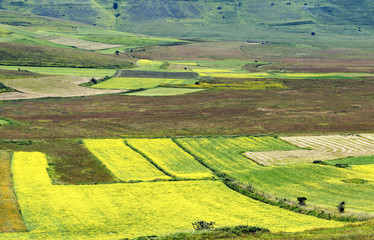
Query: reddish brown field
(10, 217)
(310, 106)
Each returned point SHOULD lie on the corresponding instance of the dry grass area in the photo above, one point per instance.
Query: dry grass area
(79, 43)
(56, 86)
(322, 148)
(10, 217)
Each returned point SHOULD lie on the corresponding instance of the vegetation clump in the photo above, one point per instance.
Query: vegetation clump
(203, 225)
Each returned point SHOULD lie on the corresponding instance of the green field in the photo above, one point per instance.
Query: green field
(120, 210)
(163, 91)
(89, 72)
(322, 185)
(139, 83)
(364, 160)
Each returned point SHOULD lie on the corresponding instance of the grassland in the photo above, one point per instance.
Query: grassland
(15, 54)
(163, 91)
(139, 83)
(83, 72)
(124, 208)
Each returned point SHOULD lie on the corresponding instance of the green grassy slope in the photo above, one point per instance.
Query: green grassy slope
(234, 19)
(33, 55)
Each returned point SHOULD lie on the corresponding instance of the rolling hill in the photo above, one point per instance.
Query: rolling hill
(211, 19)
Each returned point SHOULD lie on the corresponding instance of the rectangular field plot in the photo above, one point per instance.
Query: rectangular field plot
(137, 83)
(322, 148)
(166, 154)
(86, 72)
(114, 211)
(122, 161)
(224, 154)
(163, 91)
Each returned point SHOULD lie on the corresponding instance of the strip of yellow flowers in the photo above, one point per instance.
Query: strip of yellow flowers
(122, 161)
(166, 154)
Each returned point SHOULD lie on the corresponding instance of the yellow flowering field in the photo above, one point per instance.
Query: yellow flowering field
(122, 161)
(166, 154)
(123, 210)
(149, 63)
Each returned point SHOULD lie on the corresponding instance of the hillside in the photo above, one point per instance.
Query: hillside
(228, 19)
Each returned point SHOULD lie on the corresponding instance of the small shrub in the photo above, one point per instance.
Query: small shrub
(301, 201)
(341, 207)
(341, 165)
(319, 162)
(203, 225)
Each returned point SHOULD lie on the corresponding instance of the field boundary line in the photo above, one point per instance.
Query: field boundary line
(149, 159)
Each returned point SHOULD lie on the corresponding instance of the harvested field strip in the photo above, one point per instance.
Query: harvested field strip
(166, 154)
(163, 91)
(122, 161)
(58, 86)
(322, 148)
(157, 74)
(224, 154)
(10, 217)
(114, 211)
(88, 72)
(139, 83)
(79, 43)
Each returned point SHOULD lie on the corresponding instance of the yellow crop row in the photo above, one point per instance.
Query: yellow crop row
(166, 154)
(122, 161)
(114, 211)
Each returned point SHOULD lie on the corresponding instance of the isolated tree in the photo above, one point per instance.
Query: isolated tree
(312, 33)
(115, 6)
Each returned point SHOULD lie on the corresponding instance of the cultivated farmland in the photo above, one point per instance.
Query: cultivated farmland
(166, 154)
(320, 148)
(163, 91)
(159, 208)
(61, 86)
(124, 163)
(139, 83)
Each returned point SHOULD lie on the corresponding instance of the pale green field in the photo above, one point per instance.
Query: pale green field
(113, 211)
(167, 155)
(138, 83)
(163, 91)
(122, 161)
(84, 72)
(322, 185)
(320, 148)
